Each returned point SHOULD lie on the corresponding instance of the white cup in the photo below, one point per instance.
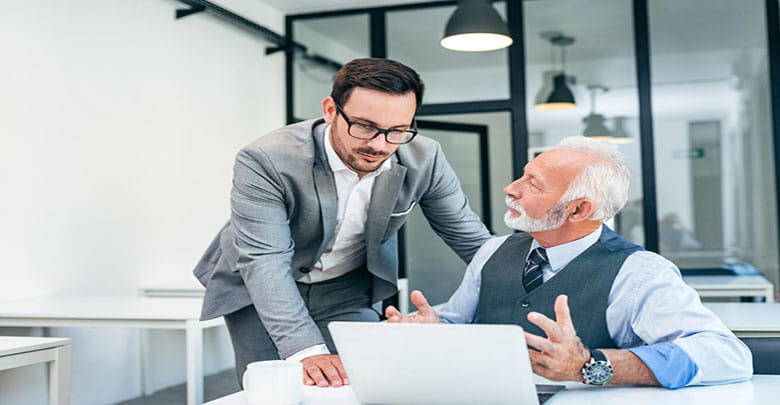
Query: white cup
(274, 382)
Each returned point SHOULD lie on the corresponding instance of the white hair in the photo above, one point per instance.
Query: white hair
(605, 181)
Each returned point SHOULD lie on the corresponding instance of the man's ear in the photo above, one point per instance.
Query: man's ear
(329, 110)
(581, 209)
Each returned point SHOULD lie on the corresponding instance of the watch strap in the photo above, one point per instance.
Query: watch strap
(598, 355)
(598, 360)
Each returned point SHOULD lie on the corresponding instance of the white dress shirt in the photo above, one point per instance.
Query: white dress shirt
(650, 309)
(348, 249)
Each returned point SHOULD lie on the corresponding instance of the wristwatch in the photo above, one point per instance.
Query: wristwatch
(598, 370)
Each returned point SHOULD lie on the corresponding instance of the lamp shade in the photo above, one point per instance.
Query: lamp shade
(475, 26)
(619, 133)
(595, 128)
(561, 97)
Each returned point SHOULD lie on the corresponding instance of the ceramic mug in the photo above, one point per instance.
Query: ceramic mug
(274, 382)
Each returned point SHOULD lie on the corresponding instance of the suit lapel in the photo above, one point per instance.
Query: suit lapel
(324, 187)
(383, 198)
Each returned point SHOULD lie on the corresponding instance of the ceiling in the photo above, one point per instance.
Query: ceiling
(602, 29)
(308, 6)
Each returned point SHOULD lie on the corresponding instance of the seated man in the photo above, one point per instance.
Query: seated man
(621, 314)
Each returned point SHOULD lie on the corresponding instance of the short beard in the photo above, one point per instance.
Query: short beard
(553, 218)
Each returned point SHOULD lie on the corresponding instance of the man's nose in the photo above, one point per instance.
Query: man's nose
(513, 189)
(378, 142)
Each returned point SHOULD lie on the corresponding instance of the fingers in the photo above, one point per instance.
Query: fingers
(332, 374)
(540, 366)
(419, 301)
(324, 370)
(562, 314)
(314, 372)
(341, 370)
(393, 315)
(538, 342)
(537, 359)
(550, 328)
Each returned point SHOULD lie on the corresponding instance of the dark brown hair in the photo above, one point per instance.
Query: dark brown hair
(379, 74)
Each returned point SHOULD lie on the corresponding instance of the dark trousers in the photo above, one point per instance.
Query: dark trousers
(345, 298)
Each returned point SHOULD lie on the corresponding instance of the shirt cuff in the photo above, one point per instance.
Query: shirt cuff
(670, 365)
(308, 352)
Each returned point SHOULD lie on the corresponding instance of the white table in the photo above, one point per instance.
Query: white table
(761, 390)
(193, 289)
(181, 289)
(124, 312)
(20, 351)
(749, 319)
(732, 286)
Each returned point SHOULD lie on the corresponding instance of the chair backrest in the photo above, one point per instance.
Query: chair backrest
(766, 354)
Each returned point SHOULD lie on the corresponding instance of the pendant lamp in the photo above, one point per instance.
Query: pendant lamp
(561, 97)
(475, 26)
(594, 123)
(619, 132)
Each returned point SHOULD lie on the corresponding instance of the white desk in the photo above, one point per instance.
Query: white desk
(20, 351)
(748, 319)
(130, 312)
(761, 390)
(732, 286)
(193, 289)
(181, 289)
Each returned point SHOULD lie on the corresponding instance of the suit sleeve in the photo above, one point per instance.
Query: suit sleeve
(265, 249)
(447, 209)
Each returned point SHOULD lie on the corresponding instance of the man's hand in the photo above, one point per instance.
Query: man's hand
(562, 355)
(324, 370)
(425, 313)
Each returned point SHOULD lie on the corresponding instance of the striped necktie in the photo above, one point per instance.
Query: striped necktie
(532, 276)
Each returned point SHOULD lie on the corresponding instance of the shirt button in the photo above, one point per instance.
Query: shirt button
(525, 304)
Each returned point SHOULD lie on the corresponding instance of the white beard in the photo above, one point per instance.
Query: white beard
(553, 218)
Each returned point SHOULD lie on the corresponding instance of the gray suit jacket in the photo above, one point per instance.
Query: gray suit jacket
(284, 207)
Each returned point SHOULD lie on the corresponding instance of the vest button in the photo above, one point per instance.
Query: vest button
(525, 304)
(304, 270)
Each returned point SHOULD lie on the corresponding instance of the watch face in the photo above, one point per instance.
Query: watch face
(600, 373)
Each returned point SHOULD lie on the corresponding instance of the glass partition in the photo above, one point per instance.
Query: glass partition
(450, 76)
(713, 135)
(429, 264)
(338, 38)
(600, 73)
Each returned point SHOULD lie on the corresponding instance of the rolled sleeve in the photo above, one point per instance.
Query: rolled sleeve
(653, 313)
(670, 365)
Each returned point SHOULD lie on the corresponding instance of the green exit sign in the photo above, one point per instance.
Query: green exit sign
(690, 153)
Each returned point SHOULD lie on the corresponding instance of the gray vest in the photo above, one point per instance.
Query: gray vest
(586, 280)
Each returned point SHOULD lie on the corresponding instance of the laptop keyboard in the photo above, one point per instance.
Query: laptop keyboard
(544, 396)
(545, 392)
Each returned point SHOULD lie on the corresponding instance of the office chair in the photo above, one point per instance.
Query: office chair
(766, 354)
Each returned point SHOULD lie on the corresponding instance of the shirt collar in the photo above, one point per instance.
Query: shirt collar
(337, 165)
(559, 256)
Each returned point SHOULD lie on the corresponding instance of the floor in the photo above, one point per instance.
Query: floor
(216, 386)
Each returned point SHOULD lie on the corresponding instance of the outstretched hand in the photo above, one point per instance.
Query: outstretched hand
(425, 313)
(561, 355)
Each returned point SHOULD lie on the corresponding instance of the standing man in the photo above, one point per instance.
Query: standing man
(315, 211)
(595, 307)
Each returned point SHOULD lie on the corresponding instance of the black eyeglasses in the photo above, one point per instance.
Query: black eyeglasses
(365, 131)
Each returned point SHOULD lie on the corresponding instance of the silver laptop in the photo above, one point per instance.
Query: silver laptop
(410, 364)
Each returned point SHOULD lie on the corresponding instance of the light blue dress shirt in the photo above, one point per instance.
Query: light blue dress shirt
(650, 311)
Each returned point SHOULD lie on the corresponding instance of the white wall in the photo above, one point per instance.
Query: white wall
(118, 127)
